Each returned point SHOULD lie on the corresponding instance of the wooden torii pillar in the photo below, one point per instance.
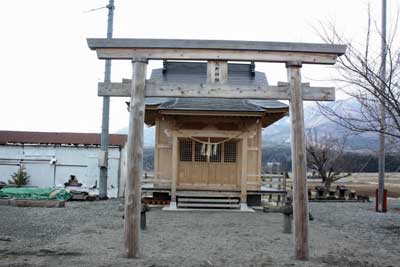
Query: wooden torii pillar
(299, 167)
(216, 51)
(134, 162)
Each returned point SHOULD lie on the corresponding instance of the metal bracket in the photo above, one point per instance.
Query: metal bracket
(103, 163)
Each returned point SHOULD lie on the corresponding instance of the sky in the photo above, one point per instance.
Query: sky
(49, 75)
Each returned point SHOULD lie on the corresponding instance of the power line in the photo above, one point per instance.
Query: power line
(95, 9)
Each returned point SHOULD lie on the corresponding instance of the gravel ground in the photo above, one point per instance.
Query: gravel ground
(90, 234)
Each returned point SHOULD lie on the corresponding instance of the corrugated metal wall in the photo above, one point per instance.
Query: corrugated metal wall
(71, 160)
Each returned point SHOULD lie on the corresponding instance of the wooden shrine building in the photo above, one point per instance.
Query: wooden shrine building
(209, 116)
(218, 139)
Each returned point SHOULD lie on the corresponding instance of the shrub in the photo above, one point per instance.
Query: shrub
(20, 177)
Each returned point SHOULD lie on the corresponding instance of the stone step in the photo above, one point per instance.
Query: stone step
(208, 205)
(208, 200)
(206, 194)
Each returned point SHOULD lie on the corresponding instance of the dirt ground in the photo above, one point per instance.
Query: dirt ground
(91, 234)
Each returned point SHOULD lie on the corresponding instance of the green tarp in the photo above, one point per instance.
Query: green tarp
(35, 193)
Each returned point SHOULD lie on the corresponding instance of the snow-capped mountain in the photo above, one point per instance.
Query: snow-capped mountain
(279, 132)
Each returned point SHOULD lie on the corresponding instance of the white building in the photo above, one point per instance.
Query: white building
(50, 158)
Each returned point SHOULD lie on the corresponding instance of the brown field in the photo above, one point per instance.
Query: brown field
(365, 183)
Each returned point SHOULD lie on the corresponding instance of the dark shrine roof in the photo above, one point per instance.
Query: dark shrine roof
(220, 104)
(196, 72)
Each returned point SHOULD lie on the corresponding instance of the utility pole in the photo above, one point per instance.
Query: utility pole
(381, 166)
(103, 158)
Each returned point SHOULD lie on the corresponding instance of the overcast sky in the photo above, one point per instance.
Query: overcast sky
(49, 76)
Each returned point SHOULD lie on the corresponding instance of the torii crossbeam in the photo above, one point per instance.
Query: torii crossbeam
(216, 52)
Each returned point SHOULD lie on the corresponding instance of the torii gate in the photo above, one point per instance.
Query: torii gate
(217, 53)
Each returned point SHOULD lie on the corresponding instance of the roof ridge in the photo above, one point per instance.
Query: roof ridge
(30, 137)
(49, 132)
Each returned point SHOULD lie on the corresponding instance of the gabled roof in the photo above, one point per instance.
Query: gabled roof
(20, 137)
(196, 72)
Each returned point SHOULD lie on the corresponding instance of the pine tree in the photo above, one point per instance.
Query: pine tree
(20, 177)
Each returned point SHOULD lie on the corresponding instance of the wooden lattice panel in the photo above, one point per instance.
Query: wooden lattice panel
(199, 152)
(230, 152)
(185, 150)
(217, 156)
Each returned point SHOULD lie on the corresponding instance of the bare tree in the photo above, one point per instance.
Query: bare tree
(359, 76)
(325, 155)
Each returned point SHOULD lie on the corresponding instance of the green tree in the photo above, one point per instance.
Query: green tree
(20, 177)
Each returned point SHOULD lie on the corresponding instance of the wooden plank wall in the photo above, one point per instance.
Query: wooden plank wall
(254, 156)
(163, 153)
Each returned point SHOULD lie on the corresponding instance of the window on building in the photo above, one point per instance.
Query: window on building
(230, 152)
(185, 147)
(215, 153)
(200, 152)
(195, 151)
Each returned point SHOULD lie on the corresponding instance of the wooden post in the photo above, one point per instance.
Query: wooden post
(300, 199)
(288, 214)
(284, 181)
(243, 178)
(134, 161)
(284, 186)
(270, 185)
(287, 223)
(174, 170)
(278, 202)
(143, 219)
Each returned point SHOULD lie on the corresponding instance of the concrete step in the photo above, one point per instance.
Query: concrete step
(208, 205)
(189, 194)
(208, 200)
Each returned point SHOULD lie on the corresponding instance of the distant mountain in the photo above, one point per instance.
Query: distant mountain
(278, 134)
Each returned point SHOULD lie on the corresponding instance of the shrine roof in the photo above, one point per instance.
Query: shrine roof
(196, 72)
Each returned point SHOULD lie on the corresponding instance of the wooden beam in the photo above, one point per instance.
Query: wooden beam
(134, 161)
(300, 197)
(33, 203)
(216, 50)
(243, 176)
(218, 91)
(220, 113)
(174, 169)
(209, 133)
(224, 55)
(95, 43)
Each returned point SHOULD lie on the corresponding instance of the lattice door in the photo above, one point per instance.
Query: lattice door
(214, 167)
